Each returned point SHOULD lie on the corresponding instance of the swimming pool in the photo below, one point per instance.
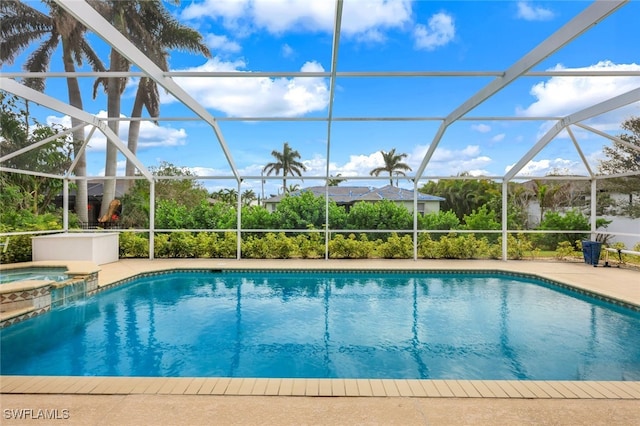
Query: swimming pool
(35, 273)
(331, 324)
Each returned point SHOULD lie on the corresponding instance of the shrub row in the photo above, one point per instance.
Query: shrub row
(311, 245)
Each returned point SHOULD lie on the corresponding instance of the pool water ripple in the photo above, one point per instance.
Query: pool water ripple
(331, 325)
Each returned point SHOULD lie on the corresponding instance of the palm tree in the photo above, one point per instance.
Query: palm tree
(170, 35)
(153, 30)
(248, 197)
(287, 162)
(392, 164)
(20, 26)
(335, 180)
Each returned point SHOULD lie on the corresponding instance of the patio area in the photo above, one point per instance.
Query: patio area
(113, 400)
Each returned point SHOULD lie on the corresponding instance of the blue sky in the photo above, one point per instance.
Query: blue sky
(377, 35)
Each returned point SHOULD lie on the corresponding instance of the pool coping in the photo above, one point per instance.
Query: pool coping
(563, 274)
(226, 386)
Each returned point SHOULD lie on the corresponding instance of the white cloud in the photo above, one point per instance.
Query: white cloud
(529, 12)
(560, 96)
(498, 138)
(361, 19)
(287, 51)
(547, 166)
(221, 43)
(259, 96)
(482, 128)
(150, 134)
(439, 31)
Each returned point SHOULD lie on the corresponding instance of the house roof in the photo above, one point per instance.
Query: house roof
(351, 194)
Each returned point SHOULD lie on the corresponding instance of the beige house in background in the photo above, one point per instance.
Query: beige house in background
(349, 195)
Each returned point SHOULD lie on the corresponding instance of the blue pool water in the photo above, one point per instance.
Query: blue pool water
(36, 273)
(331, 324)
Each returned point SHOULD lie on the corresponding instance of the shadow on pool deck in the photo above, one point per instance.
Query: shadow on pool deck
(177, 401)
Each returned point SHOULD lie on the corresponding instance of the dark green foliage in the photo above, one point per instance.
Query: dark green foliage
(441, 220)
(463, 196)
(306, 211)
(571, 221)
(383, 215)
(483, 219)
(256, 217)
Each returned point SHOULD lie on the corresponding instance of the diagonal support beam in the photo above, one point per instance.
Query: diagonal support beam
(588, 18)
(25, 92)
(593, 111)
(82, 11)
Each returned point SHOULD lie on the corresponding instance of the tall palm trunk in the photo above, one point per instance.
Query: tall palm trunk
(113, 111)
(75, 99)
(134, 132)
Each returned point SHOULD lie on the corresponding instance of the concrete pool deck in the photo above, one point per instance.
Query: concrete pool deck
(113, 400)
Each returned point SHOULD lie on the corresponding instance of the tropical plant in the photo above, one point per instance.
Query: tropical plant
(464, 194)
(20, 26)
(287, 162)
(170, 34)
(392, 164)
(153, 30)
(26, 191)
